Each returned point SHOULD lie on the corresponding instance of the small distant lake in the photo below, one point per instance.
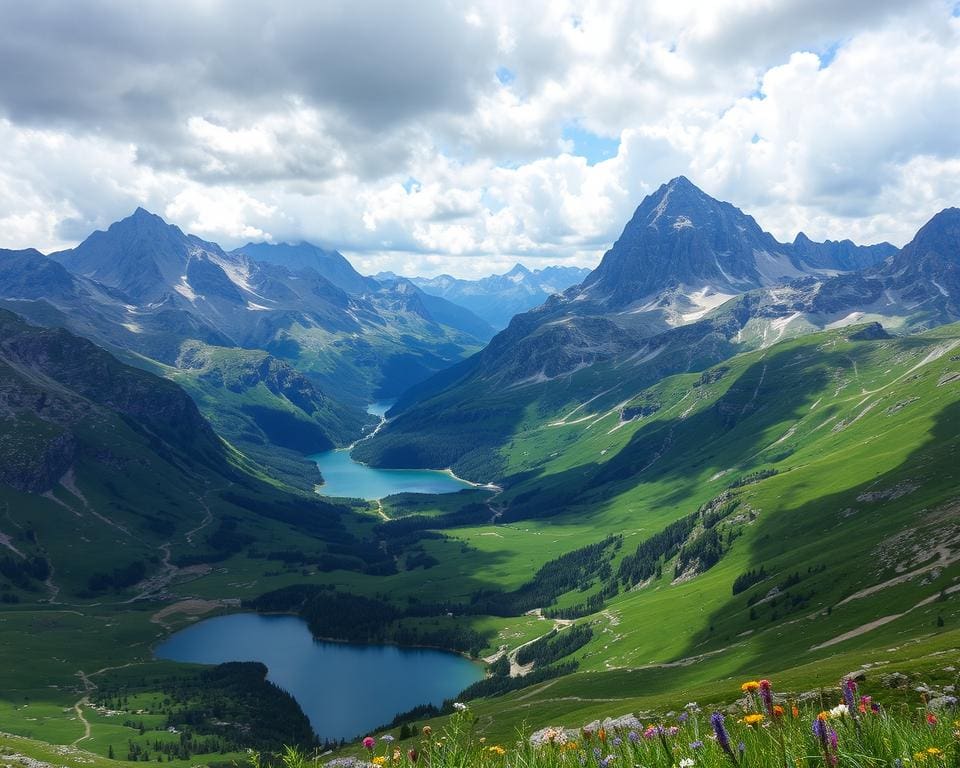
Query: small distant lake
(344, 688)
(342, 476)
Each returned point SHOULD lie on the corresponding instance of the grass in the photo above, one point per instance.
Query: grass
(839, 725)
(864, 438)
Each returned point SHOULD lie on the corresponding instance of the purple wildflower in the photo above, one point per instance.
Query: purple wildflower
(597, 753)
(634, 737)
(742, 747)
(683, 717)
(696, 744)
(849, 688)
(672, 730)
(606, 761)
(617, 741)
(720, 731)
(766, 696)
(386, 738)
(832, 736)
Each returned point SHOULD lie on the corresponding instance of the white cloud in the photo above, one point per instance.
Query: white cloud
(382, 128)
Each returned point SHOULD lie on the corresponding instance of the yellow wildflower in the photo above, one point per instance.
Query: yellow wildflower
(754, 719)
(751, 686)
(934, 751)
(379, 760)
(496, 749)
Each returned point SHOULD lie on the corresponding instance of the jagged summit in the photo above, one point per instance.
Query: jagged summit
(681, 239)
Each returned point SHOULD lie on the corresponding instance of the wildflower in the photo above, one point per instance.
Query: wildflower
(683, 717)
(754, 719)
(459, 706)
(692, 707)
(605, 762)
(777, 711)
(766, 696)
(496, 749)
(720, 731)
(832, 736)
(839, 711)
(751, 686)
(687, 762)
(794, 711)
(849, 689)
(617, 741)
(931, 719)
(413, 754)
(426, 730)
(634, 737)
(823, 738)
(379, 760)
(696, 744)
(386, 738)
(934, 751)
(570, 746)
(865, 702)
(369, 742)
(602, 734)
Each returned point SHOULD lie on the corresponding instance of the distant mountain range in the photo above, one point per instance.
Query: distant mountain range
(690, 282)
(498, 298)
(182, 306)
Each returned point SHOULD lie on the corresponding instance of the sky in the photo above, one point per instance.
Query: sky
(425, 136)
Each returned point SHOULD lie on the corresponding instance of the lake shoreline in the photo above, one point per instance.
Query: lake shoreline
(249, 636)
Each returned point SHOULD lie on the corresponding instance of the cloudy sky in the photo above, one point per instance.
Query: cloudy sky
(429, 136)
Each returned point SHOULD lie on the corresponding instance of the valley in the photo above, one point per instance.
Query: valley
(675, 477)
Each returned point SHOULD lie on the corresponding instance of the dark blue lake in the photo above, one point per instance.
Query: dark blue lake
(345, 689)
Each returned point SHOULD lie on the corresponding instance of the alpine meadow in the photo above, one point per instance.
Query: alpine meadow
(441, 385)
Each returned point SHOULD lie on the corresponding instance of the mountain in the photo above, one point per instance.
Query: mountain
(330, 264)
(690, 282)
(147, 291)
(104, 468)
(498, 298)
(265, 407)
(683, 253)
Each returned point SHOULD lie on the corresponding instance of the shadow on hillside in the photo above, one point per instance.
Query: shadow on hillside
(829, 546)
(727, 435)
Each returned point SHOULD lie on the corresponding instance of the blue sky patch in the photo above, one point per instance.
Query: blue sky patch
(828, 54)
(505, 76)
(589, 145)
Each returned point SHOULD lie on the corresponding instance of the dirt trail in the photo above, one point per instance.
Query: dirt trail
(519, 670)
(88, 686)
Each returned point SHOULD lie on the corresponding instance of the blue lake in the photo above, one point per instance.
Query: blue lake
(342, 476)
(345, 689)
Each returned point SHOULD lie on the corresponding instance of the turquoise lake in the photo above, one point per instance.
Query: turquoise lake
(343, 476)
(345, 689)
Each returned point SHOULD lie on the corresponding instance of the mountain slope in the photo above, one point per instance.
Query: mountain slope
(332, 265)
(658, 305)
(110, 477)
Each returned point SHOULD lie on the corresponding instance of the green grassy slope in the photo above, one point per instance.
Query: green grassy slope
(839, 451)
